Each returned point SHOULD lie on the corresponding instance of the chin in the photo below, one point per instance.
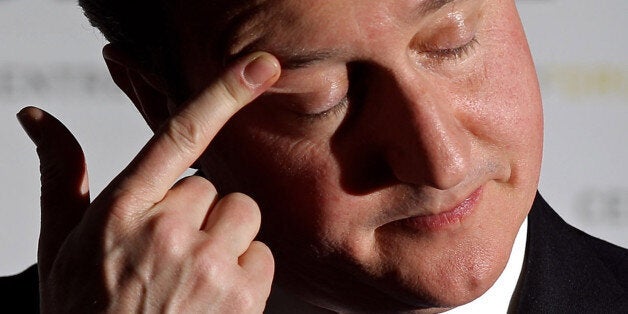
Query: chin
(448, 286)
(409, 283)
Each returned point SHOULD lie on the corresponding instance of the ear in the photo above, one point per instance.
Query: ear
(149, 97)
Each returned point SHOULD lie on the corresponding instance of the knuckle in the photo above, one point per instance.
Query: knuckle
(121, 205)
(246, 301)
(230, 92)
(213, 268)
(168, 235)
(185, 132)
(118, 208)
(208, 264)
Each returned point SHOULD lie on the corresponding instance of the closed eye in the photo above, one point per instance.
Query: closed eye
(352, 100)
(452, 53)
(337, 110)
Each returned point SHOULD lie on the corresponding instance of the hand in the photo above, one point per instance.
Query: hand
(144, 245)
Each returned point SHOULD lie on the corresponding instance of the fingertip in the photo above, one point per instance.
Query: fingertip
(30, 113)
(261, 68)
(30, 119)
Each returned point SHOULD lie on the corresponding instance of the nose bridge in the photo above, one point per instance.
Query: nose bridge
(427, 143)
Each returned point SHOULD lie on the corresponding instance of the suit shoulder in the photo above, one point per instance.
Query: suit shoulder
(21, 292)
(613, 257)
(567, 270)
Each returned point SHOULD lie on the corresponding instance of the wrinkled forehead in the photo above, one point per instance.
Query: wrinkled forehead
(228, 29)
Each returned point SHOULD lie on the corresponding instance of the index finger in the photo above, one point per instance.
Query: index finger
(186, 135)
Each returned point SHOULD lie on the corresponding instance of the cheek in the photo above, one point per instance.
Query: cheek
(295, 179)
(505, 109)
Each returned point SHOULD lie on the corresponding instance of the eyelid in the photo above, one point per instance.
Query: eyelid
(452, 53)
(310, 94)
(447, 43)
(335, 110)
(450, 29)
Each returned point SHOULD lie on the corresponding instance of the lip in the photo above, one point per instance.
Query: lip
(442, 220)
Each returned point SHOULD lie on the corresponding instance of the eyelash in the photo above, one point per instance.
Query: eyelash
(336, 110)
(453, 53)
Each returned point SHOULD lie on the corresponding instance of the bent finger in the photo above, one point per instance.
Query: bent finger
(191, 198)
(233, 223)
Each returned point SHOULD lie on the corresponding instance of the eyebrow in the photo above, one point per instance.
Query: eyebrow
(296, 60)
(291, 59)
(429, 6)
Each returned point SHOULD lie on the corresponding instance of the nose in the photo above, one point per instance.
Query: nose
(424, 140)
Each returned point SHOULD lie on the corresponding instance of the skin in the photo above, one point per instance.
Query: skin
(422, 130)
(442, 105)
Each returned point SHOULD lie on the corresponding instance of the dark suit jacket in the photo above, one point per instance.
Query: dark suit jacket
(569, 271)
(565, 271)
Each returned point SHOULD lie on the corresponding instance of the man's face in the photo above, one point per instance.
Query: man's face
(397, 155)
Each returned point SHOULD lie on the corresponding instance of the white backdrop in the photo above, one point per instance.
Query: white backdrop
(50, 57)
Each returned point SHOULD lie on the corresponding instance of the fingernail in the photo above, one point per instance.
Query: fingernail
(29, 119)
(259, 70)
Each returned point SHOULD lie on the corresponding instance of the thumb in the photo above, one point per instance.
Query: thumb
(64, 184)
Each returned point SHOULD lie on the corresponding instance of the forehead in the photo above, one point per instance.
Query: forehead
(231, 28)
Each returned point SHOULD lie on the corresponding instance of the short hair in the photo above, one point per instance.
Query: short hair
(143, 29)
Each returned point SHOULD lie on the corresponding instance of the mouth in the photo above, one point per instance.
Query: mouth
(439, 221)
